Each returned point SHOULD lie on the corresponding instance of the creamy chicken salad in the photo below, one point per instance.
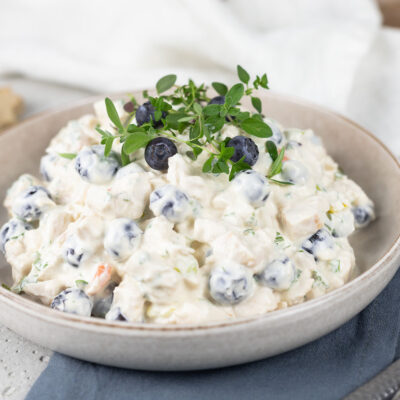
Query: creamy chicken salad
(164, 236)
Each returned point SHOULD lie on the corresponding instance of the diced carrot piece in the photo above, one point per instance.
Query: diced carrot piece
(100, 279)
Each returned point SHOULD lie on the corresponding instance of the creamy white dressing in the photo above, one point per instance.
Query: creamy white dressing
(181, 246)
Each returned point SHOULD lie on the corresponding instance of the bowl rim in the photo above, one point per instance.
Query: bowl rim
(45, 313)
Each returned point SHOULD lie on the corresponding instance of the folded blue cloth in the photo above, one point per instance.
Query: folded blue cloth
(328, 368)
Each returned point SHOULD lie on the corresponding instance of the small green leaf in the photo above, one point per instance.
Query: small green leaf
(81, 282)
(174, 119)
(212, 109)
(157, 115)
(220, 88)
(256, 102)
(227, 153)
(113, 114)
(197, 151)
(187, 119)
(234, 111)
(207, 133)
(124, 158)
(207, 166)
(215, 124)
(223, 166)
(134, 128)
(255, 127)
(284, 183)
(3, 285)
(198, 109)
(244, 115)
(104, 134)
(165, 83)
(272, 150)
(69, 156)
(238, 166)
(136, 141)
(277, 164)
(108, 146)
(264, 82)
(194, 131)
(243, 74)
(234, 95)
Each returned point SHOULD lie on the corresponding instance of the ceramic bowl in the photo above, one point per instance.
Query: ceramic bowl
(186, 347)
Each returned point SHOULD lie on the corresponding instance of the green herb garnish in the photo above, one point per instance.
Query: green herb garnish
(69, 156)
(276, 166)
(284, 183)
(318, 280)
(298, 275)
(335, 265)
(278, 238)
(191, 120)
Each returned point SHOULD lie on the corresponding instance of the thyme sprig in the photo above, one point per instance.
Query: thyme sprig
(184, 115)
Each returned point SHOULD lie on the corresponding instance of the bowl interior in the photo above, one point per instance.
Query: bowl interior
(360, 155)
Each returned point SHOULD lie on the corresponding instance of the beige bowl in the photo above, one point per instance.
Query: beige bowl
(155, 347)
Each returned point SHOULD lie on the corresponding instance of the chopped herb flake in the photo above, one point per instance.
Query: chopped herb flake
(278, 238)
(69, 156)
(318, 280)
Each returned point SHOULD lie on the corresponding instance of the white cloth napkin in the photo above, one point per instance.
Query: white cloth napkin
(333, 52)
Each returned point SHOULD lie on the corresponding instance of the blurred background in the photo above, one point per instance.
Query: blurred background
(344, 54)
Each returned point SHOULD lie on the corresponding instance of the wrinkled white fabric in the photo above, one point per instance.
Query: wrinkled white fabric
(333, 52)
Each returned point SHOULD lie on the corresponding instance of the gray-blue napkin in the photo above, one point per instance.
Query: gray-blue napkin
(328, 368)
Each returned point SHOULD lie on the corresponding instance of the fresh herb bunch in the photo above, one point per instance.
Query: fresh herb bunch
(187, 110)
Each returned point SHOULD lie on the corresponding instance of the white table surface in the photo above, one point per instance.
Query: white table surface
(21, 361)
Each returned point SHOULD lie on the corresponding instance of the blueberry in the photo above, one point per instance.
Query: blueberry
(145, 113)
(170, 202)
(46, 162)
(363, 215)
(244, 147)
(32, 203)
(11, 230)
(253, 186)
(75, 251)
(294, 172)
(73, 301)
(158, 151)
(122, 238)
(277, 274)
(102, 303)
(229, 284)
(318, 243)
(94, 167)
(220, 100)
(115, 314)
